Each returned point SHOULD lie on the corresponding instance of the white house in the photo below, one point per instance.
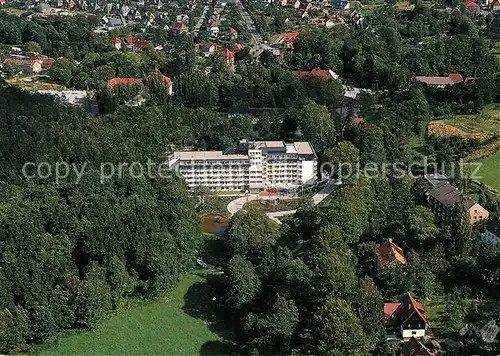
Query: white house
(406, 318)
(492, 233)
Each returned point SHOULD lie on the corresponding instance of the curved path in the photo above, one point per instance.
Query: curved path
(236, 205)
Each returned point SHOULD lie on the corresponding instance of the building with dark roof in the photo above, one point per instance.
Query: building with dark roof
(492, 232)
(413, 347)
(444, 200)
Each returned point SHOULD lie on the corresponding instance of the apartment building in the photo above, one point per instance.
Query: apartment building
(445, 197)
(254, 166)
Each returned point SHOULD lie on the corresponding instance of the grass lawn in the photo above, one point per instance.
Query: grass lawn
(488, 121)
(433, 310)
(214, 204)
(490, 171)
(174, 324)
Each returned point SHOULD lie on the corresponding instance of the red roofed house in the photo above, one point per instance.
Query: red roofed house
(405, 318)
(237, 48)
(205, 48)
(122, 81)
(129, 41)
(135, 44)
(228, 55)
(387, 253)
(471, 8)
(180, 27)
(166, 81)
(48, 63)
(413, 347)
(213, 28)
(3, 2)
(233, 34)
(288, 39)
(32, 65)
(355, 121)
(441, 82)
(117, 42)
(323, 73)
(140, 45)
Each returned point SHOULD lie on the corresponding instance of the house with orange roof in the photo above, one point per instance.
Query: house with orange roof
(213, 28)
(166, 81)
(441, 82)
(288, 39)
(406, 318)
(237, 48)
(472, 9)
(320, 73)
(413, 347)
(32, 65)
(228, 55)
(117, 42)
(388, 253)
(356, 121)
(233, 34)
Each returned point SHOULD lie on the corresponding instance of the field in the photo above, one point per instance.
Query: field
(490, 171)
(179, 323)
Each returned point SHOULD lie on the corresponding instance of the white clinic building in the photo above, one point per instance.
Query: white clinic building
(254, 166)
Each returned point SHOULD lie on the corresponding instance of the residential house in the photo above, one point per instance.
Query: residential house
(237, 48)
(441, 82)
(117, 42)
(122, 81)
(472, 9)
(387, 253)
(436, 179)
(140, 45)
(114, 23)
(180, 27)
(413, 347)
(295, 4)
(320, 73)
(182, 18)
(135, 44)
(495, 5)
(405, 319)
(205, 48)
(356, 121)
(233, 34)
(213, 28)
(341, 4)
(30, 65)
(228, 55)
(492, 233)
(166, 81)
(3, 2)
(288, 39)
(445, 199)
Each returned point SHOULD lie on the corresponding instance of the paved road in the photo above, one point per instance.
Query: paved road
(236, 205)
(208, 266)
(259, 46)
(200, 21)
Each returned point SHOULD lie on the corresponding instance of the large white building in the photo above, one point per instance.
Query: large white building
(254, 166)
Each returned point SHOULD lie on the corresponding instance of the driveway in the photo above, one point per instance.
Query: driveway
(236, 205)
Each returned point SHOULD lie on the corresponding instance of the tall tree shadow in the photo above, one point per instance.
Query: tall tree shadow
(200, 302)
